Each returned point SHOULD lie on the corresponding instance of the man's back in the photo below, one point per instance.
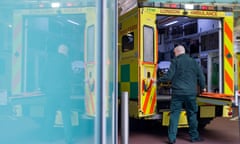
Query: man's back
(58, 73)
(186, 75)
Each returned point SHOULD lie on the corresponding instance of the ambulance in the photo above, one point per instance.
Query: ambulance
(146, 36)
(33, 32)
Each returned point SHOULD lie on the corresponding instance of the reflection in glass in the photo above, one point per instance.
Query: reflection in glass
(48, 72)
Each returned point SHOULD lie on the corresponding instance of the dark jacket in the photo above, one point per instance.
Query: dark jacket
(185, 75)
(58, 74)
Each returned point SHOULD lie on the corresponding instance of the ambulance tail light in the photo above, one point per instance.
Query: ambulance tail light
(204, 7)
(210, 8)
(159, 4)
(230, 113)
(47, 4)
(171, 5)
(185, 6)
(69, 4)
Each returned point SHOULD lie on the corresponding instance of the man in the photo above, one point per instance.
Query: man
(185, 74)
(58, 90)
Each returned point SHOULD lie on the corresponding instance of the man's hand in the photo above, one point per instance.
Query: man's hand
(204, 90)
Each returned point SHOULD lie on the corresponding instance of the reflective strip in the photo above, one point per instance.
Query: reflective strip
(147, 96)
(154, 98)
(90, 101)
(87, 105)
(90, 105)
(150, 99)
(228, 31)
(228, 58)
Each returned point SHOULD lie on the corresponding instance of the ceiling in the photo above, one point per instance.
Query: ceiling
(164, 21)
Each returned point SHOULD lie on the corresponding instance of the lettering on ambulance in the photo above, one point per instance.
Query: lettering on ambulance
(203, 13)
(170, 11)
(74, 10)
(45, 12)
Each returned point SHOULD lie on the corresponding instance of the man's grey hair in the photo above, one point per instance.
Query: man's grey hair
(179, 49)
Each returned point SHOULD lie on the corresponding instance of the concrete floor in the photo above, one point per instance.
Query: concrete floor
(219, 131)
(25, 131)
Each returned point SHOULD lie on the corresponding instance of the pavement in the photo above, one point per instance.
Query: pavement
(26, 130)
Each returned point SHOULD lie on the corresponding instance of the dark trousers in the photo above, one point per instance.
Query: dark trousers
(58, 101)
(177, 102)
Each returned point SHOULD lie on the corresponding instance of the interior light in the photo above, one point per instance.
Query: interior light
(189, 6)
(171, 23)
(73, 22)
(55, 5)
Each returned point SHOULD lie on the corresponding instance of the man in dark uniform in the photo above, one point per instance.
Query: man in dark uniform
(58, 89)
(185, 75)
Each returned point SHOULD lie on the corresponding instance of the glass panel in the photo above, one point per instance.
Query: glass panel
(111, 74)
(49, 71)
(148, 43)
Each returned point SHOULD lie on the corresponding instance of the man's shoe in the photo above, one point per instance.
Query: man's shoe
(197, 140)
(172, 142)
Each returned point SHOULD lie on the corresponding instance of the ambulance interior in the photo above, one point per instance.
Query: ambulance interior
(43, 34)
(200, 37)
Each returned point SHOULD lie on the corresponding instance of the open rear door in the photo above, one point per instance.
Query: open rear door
(147, 64)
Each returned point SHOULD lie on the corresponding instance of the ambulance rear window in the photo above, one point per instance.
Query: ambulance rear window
(148, 44)
(90, 43)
